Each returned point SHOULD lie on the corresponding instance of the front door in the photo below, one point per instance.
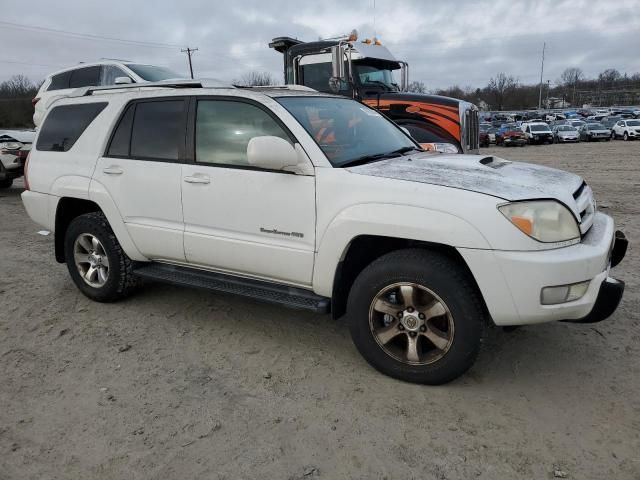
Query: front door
(242, 219)
(142, 174)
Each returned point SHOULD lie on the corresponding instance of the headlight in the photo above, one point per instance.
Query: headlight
(544, 220)
(10, 146)
(440, 147)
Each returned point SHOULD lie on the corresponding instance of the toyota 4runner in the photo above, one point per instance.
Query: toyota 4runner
(318, 202)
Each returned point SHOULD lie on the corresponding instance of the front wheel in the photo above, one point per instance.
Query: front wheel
(625, 137)
(96, 262)
(415, 315)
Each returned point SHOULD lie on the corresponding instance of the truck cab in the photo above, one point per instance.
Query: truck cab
(366, 71)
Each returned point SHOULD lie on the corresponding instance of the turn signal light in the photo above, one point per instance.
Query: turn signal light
(353, 36)
(523, 224)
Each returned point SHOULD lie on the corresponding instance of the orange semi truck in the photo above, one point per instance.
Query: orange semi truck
(364, 70)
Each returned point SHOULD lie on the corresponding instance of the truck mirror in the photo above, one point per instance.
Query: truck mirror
(404, 76)
(337, 67)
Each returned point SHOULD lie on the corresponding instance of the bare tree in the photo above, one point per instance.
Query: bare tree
(609, 76)
(254, 79)
(17, 86)
(417, 87)
(570, 79)
(499, 88)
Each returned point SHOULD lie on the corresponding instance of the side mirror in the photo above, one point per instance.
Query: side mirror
(271, 153)
(338, 74)
(122, 80)
(404, 77)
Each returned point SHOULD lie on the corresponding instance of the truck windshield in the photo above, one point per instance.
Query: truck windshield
(370, 75)
(347, 131)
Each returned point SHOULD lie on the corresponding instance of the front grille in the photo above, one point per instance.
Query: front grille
(586, 206)
(472, 129)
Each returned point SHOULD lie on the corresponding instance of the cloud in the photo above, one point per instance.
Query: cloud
(446, 43)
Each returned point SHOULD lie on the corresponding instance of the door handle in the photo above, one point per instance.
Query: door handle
(113, 170)
(197, 179)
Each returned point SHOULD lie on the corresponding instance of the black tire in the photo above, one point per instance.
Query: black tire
(449, 281)
(120, 281)
(6, 183)
(625, 137)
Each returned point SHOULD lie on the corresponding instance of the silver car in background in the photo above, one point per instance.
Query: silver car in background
(565, 134)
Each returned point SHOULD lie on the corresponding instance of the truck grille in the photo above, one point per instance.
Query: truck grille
(471, 129)
(586, 206)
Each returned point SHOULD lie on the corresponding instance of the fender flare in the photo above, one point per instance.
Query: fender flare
(387, 220)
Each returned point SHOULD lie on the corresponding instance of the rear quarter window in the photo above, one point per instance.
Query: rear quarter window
(60, 81)
(65, 124)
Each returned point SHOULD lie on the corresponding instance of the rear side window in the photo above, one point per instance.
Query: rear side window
(121, 140)
(60, 81)
(64, 125)
(158, 130)
(85, 77)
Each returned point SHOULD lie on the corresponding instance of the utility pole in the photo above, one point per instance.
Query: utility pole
(548, 88)
(544, 45)
(189, 51)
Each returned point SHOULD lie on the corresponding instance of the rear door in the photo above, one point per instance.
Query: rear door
(141, 171)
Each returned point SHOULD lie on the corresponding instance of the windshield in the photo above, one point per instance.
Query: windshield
(346, 130)
(596, 126)
(566, 128)
(370, 75)
(633, 123)
(539, 128)
(152, 73)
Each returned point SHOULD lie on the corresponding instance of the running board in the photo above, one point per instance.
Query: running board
(259, 290)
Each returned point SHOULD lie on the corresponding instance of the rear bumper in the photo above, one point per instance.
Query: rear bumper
(511, 282)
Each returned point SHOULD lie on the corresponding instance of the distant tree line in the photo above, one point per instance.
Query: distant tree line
(505, 92)
(16, 110)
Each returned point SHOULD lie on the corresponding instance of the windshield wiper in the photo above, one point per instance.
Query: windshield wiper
(379, 156)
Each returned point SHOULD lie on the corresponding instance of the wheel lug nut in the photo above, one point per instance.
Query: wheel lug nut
(413, 334)
(410, 309)
(400, 327)
(423, 328)
(421, 316)
(399, 314)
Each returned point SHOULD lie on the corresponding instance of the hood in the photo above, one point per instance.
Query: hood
(22, 136)
(478, 173)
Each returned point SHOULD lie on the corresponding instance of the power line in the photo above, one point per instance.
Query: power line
(88, 35)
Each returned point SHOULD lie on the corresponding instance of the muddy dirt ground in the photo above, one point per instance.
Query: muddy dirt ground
(177, 383)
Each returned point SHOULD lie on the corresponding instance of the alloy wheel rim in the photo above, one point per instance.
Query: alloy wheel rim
(411, 323)
(91, 260)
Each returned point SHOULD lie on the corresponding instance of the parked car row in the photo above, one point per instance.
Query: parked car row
(15, 145)
(558, 131)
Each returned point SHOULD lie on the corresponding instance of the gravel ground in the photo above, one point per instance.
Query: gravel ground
(177, 383)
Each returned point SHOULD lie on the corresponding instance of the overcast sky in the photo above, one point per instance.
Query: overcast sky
(446, 43)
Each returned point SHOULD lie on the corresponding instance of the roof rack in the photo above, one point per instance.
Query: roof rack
(302, 88)
(202, 83)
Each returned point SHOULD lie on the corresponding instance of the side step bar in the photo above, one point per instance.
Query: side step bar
(259, 290)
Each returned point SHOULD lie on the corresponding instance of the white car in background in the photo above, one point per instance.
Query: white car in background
(626, 129)
(14, 148)
(103, 73)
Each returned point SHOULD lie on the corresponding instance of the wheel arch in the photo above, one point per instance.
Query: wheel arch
(364, 249)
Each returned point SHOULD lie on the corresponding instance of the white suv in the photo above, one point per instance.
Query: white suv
(626, 129)
(106, 72)
(317, 202)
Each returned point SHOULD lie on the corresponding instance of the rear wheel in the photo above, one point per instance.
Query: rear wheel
(6, 183)
(96, 262)
(415, 315)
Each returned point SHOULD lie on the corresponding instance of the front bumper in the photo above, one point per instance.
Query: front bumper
(511, 281)
(567, 139)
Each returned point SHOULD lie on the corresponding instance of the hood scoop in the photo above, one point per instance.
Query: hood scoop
(494, 162)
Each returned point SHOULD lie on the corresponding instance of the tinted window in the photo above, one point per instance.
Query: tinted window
(110, 73)
(151, 73)
(121, 140)
(64, 125)
(85, 77)
(317, 75)
(224, 128)
(60, 81)
(157, 130)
